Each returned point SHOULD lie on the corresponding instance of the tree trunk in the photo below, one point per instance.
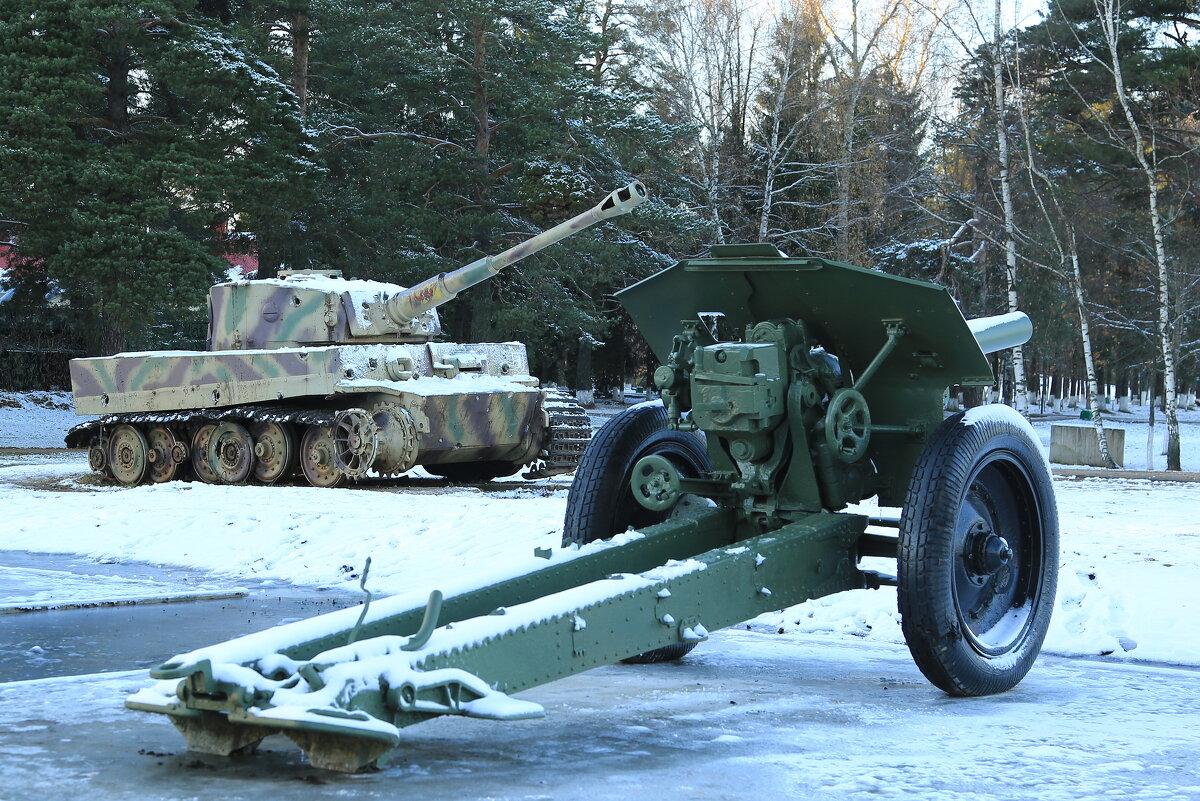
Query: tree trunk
(584, 391)
(1089, 360)
(1020, 387)
(1166, 333)
(301, 39)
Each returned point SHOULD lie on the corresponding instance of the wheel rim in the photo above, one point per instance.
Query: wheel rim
(274, 449)
(231, 453)
(127, 454)
(162, 452)
(318, 458)
(200, 453)
(999, 551)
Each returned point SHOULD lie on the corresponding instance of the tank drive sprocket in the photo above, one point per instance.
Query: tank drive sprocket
(399, 440)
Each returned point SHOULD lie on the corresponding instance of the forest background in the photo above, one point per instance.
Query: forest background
(1049, 165)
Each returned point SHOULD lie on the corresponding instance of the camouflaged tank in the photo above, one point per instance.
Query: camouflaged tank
(333, 378)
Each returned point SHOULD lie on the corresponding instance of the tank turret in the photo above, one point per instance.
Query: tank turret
(337, 379)
(304, 308)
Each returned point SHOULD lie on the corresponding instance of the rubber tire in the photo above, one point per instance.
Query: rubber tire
(954, 457)
(600, 503)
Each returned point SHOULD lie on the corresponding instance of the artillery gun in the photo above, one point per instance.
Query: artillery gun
(334, 377)
(815, 385)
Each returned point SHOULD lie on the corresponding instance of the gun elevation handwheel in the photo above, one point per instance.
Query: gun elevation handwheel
(848, 425)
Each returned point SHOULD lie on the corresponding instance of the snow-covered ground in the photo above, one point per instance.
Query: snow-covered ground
(1130, 548)
(36, 419)
(794, 703)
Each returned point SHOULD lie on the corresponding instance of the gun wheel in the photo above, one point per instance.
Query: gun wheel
(200, 441)
(318, 459)
(275, 449)
(162, 452)
(601, 502)
(127, 454)
(231, 453)
(978, 560)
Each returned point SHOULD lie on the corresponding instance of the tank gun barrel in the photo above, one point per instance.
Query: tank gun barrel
(432, 292)
(1001, 331)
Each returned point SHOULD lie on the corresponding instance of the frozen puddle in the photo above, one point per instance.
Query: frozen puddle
(90, 616)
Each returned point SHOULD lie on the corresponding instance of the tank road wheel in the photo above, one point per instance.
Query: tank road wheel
(165, 454)
(98, 457)
(200, 442)
(356, 442)
(128, 454)
(318, 460)
(275, 451)
(978, 560)
(399, 440)
(601, 503)
(231, 453)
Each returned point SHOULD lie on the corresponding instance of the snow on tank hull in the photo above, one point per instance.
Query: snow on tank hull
(470, 412)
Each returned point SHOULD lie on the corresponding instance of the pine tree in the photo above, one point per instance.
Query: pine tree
(129, 135)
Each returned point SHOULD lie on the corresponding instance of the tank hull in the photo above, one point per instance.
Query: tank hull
(333, 413)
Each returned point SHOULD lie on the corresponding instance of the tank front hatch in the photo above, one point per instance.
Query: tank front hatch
(308, 308)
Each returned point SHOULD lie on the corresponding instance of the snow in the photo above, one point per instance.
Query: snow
(1137, 428)
(28, 589)
(36, 419)
(360, 289)
(819, 700)
(436, 385)
(1130, 547)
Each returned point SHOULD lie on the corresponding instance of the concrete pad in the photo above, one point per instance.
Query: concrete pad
(747, 716)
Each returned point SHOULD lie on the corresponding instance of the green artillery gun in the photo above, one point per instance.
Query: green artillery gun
(791, 388)
(335, 378)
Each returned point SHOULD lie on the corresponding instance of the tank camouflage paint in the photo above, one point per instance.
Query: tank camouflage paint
(334, 378)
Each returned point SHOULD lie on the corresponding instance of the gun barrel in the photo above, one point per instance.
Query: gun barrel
(432, 292)
(1001, 331)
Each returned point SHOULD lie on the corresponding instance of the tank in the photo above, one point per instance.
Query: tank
(333, 378)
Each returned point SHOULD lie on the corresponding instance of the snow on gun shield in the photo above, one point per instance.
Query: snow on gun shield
(334, 378)
(815, 385)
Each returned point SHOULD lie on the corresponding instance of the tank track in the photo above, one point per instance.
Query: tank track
(570, 432)
(81, 435)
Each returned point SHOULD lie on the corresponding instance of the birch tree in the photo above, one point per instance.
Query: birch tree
(704, 69)
(1145, 152)
(1020, 386)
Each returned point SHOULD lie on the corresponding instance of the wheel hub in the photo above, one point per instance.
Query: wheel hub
(987, 552)
(655, 483)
